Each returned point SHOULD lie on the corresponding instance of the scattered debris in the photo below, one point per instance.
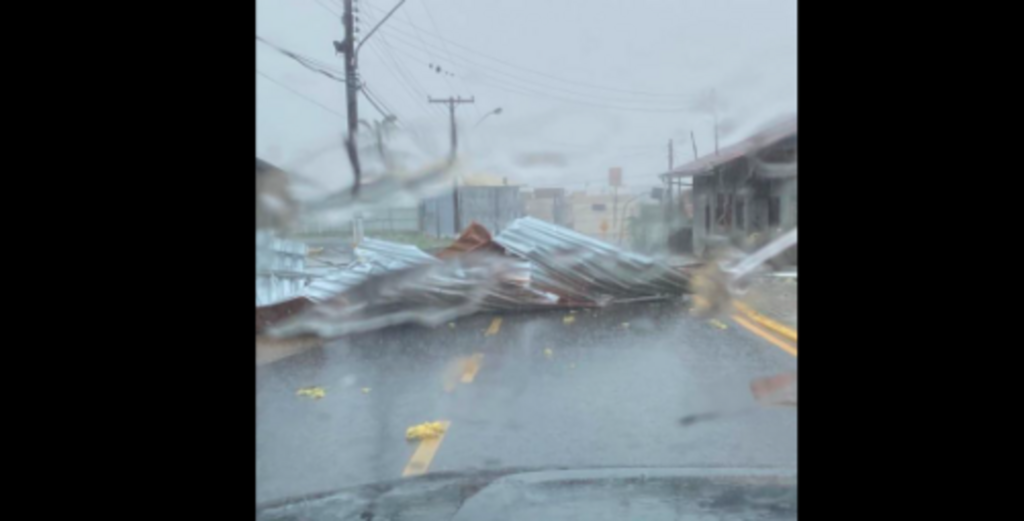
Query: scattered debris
(585, 270)
(717, 323)
(315, 393)
(549, 353)
(424, 431)
(686, 421)
(366, 390)
(625, 325)
(530, 265)
(775, 390)
(568, 319)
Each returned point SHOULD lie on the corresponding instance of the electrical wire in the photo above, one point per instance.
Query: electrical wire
(430, 16)
(550, 76)
(321, 4)
(299, 94)
(406, 77)
(309, 63)
(531, 87)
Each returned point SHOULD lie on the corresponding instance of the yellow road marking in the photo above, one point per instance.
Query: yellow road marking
(494, 327)
(471, 366)
(781, 344)
(765, 321)
(419, 463)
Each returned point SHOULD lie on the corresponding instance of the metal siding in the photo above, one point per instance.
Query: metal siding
(280, 268)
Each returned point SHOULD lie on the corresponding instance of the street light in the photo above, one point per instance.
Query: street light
(495, 111)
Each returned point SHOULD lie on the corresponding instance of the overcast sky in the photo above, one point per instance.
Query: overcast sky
(595, 83)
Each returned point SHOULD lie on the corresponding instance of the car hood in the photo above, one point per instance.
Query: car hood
(592, 494)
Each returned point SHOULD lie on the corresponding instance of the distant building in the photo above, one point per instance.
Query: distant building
(603, 216)
(746, 193)
(548, 204)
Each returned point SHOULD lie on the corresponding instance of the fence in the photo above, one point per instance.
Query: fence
(494, 207)
(378, 220)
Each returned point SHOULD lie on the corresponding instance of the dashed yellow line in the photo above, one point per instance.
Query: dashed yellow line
(778, 342)
(494, 327)
(470, 367)
(419, 463)
(765, 321)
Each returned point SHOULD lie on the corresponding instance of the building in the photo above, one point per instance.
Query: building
(746, 193)
(603, 216)
(548, 204)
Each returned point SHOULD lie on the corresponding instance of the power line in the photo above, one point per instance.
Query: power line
(380, 99)
(448, 51)
(433, 58)
(528, 84)
(321, 4)
(406, 77)
(301, 95)
(530, 90)
(402, 84)
(370, 97)
(540, 73)
(309, 63)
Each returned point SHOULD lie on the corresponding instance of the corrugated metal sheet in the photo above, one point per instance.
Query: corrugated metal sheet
(588, 270)
(373, 257)
(549, 266)
(280, 268)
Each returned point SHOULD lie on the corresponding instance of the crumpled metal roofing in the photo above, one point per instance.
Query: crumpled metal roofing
(544, 266)
(426, 293)
(280, 268)
(372, 257)
(578, 267)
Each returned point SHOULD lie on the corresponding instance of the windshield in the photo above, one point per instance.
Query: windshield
(523, 234)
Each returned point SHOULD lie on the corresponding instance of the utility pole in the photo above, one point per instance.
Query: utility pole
(451, 102)
(694, 141)
(670, 150)
(351, 89)
(348, 48)
(451, 155)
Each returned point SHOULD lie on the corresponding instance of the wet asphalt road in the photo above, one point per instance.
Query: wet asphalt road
(592, 392)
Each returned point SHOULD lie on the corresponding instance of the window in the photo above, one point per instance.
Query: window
(774, 211)
(599, 207)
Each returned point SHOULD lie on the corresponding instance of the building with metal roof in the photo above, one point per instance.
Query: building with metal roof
(745, 193)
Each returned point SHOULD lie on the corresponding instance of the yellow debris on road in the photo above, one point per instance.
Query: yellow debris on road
(424, 431)
(717, 323)
(315, 393)
(568, 319)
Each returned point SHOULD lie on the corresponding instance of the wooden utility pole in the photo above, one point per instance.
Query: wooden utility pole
(451, 102)
(351, 89)
(348, 48)
(694, 141)
(451, 155)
